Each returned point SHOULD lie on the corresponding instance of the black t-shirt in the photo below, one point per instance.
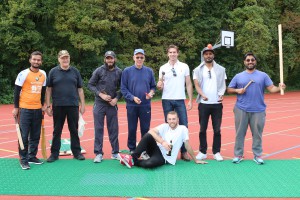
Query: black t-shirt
(64, 84)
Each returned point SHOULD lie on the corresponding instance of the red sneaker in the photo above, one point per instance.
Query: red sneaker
(126, 159)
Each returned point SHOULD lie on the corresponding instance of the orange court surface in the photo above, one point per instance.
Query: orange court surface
(281, 137)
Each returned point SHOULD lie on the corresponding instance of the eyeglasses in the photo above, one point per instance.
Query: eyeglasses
(174, 72)
(209, 74)
(252, 60)
(141, 58)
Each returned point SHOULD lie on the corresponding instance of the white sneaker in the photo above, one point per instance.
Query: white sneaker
(115, 156)
(218, 157)
(98, 158)
(145, 156)
(201, 156)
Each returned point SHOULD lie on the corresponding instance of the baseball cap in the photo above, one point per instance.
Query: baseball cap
(63, 53)
(110, 54)
(136, 51)
(208, 48)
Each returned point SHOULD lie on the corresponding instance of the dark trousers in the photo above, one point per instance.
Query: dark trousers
(179, 107)
(215, 111)
(149, 145)
(111, 114)
(60, 113)
(135, 113)
(30, 127)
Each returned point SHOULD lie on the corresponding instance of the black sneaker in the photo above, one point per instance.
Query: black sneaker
(52, 158)
(79, 157)
(24, 165)
(35, 160)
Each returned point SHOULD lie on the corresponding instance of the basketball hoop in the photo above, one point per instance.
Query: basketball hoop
(227, 39)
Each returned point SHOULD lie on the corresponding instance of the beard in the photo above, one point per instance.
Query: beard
(209, 61)
(110, 66)
(251, 68)
(36, 66)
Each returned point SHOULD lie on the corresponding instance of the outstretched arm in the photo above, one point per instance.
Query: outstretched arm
(274, 89)
(191, 152)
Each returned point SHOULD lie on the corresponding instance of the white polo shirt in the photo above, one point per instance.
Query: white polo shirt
(174, 86)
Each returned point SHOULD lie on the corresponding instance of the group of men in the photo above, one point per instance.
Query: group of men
(137, 85)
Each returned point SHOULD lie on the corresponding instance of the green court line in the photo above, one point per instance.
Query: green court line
(70, 177)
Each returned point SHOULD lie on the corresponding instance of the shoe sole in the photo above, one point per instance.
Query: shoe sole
(237, 162)
(79, 158)
(259, 163)
(25, 168)
(115, 158)
(125, 162)
(35, 163)
(98, 161)
(218, 160)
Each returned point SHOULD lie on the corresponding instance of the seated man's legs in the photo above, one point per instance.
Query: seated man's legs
(149, 145)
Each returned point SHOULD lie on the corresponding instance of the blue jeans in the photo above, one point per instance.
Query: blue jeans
(30, 127)
(179, 107)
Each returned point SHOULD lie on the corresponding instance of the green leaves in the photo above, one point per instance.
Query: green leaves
(88, 28)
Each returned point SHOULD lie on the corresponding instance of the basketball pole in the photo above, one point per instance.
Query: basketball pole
(280, 57)
(225, 35)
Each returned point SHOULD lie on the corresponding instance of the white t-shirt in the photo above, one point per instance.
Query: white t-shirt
(174, 86)
(209, 86)
(178, 137)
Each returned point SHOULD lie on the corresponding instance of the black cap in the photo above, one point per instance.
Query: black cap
(208, 48)
(110, 54)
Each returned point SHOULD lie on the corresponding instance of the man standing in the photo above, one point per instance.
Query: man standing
(250, 108)
(29, 96)
(173, 77)
(209, 78)
(64, 85)
(162, 144)
(105, 83)
(138, 87)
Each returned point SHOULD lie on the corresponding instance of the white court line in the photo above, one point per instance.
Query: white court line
(281, 151)
(265, 134)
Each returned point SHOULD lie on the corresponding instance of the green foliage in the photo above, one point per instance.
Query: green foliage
(87, 29)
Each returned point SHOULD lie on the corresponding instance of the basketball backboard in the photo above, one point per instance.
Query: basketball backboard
(227, 39)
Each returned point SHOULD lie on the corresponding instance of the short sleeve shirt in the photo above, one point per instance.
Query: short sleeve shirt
(31, 83)
(64, 84)
(174, 86)
(253, 99)
(178, 137)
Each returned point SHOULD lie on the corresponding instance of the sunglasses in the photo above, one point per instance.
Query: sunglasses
(209, 74)
(174, 72)
(141, 58)
(252, 60)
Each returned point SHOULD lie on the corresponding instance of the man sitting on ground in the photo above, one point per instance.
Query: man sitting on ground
(162, 144)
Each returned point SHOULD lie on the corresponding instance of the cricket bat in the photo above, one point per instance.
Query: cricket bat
(19, 134)
(43, 138)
